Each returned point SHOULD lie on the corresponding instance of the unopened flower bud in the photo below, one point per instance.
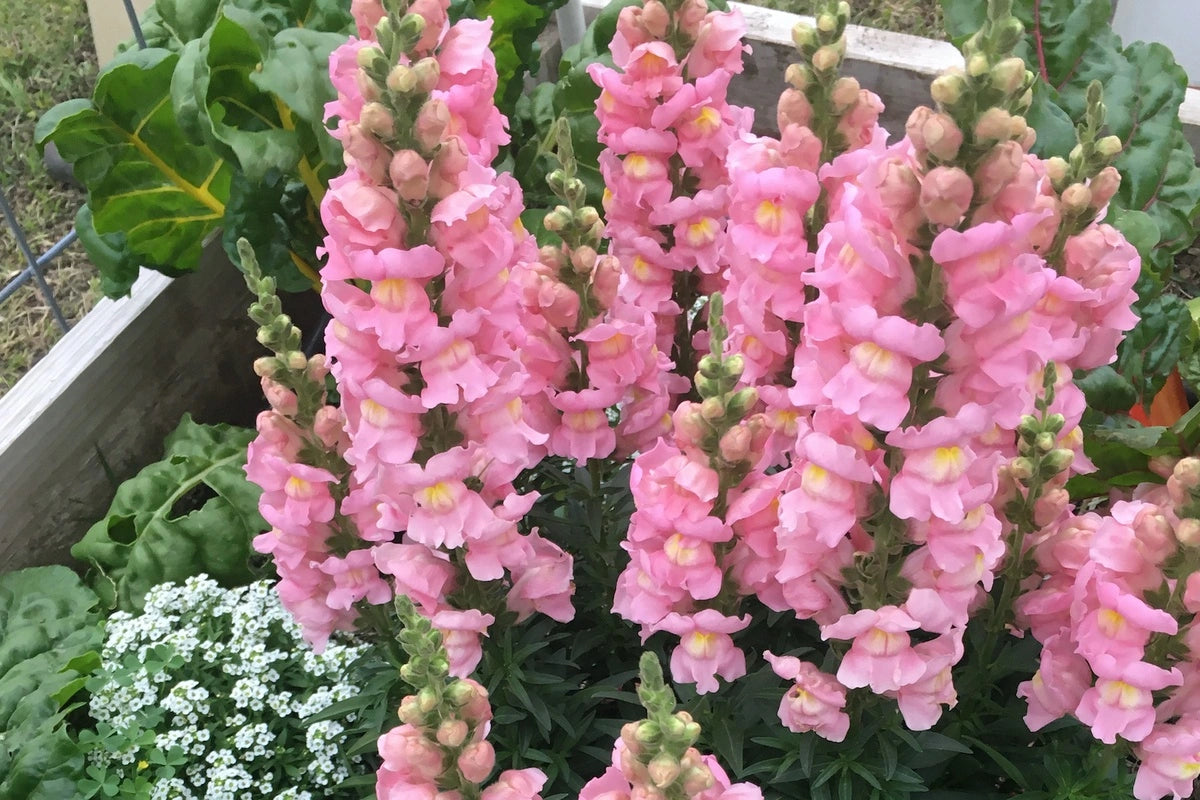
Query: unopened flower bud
(296, 360)
(827, 23)
(942, 137)
(587, 216)
(446, 168)
(402, 79)
(432, 121)
(1021, 469)
(410, 713)
(710, 366)
(798, 76)
(584, 260)
(735, 365)
(1044, 441)
(410, 175)
(1056, 169)
(735, 444)
(476, 761)
(741, 402)
(427, 74)
(915, 127)
(655, 19)
(993, 125)
(697, 780)
(712, 408)
(845, 93)
(1109, 147)
(558, 219)
(1187, 472)
(793, 109)
(605, 280)
(1104, 186)
(978, 65)
(452, 732)
(946, 194)
(370, 57)
(827, 58)
(1076, 198)
(1009, 75)
(1057, 460)
(663, 770)
(1187, 532)
(266, 367)
(647, 733)
(643, 792)
(409, 30)
(804, 36)
(427, 699)
(1163, 466)
(1051, 505)
(690, 17)
(948, 89)
(998, 168)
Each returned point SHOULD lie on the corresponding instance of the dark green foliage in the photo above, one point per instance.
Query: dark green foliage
(193, 512)
(49, 632)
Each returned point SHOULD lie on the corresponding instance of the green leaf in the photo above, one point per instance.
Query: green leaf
(110, 254)
(144, 179)
(271, 216)
(1107, 391)
(192, 512)
(1156, 345)
(48, 625)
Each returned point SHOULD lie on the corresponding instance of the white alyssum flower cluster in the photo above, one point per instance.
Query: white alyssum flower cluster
(220, 680)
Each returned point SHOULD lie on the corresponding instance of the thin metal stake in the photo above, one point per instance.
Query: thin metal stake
(137, 25)
(32, 261)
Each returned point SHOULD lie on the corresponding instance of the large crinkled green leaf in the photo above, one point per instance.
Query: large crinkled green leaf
(48, 621)
(144, 179)
(193, 512)
(219, 105)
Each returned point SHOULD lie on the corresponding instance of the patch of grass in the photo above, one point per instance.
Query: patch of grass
(46, 56)
(915, 17)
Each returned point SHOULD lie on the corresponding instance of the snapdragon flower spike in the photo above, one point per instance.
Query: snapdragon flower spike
(440, 749)
(593, 352)
(666, 126)
(704, 504)
(841, 114)
(656, 758)
(428, 337)
(948, 298)
(1114, 605)
(297, 460)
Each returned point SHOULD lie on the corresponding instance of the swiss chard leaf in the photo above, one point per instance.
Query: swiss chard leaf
(145, 180)
(193, 512)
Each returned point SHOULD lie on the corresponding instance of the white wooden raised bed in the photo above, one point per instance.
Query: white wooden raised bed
(98, 406)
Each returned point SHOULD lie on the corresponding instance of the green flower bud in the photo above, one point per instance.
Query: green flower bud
(741, 401)
(1057, 460)
(1044, 441)
(948, 89)
(409, 30)
(978, 65)
(1108, 147)
(827, 23)
(735, 365)
(1054, 423)
(296, 360)
(804, 36)
(710, 366)
(1021, 468)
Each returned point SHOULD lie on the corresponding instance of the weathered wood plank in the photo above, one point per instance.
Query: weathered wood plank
(107, 395)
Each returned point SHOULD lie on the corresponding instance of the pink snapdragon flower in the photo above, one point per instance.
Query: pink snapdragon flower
(882, 655)
(815, 701)
(705, 649)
